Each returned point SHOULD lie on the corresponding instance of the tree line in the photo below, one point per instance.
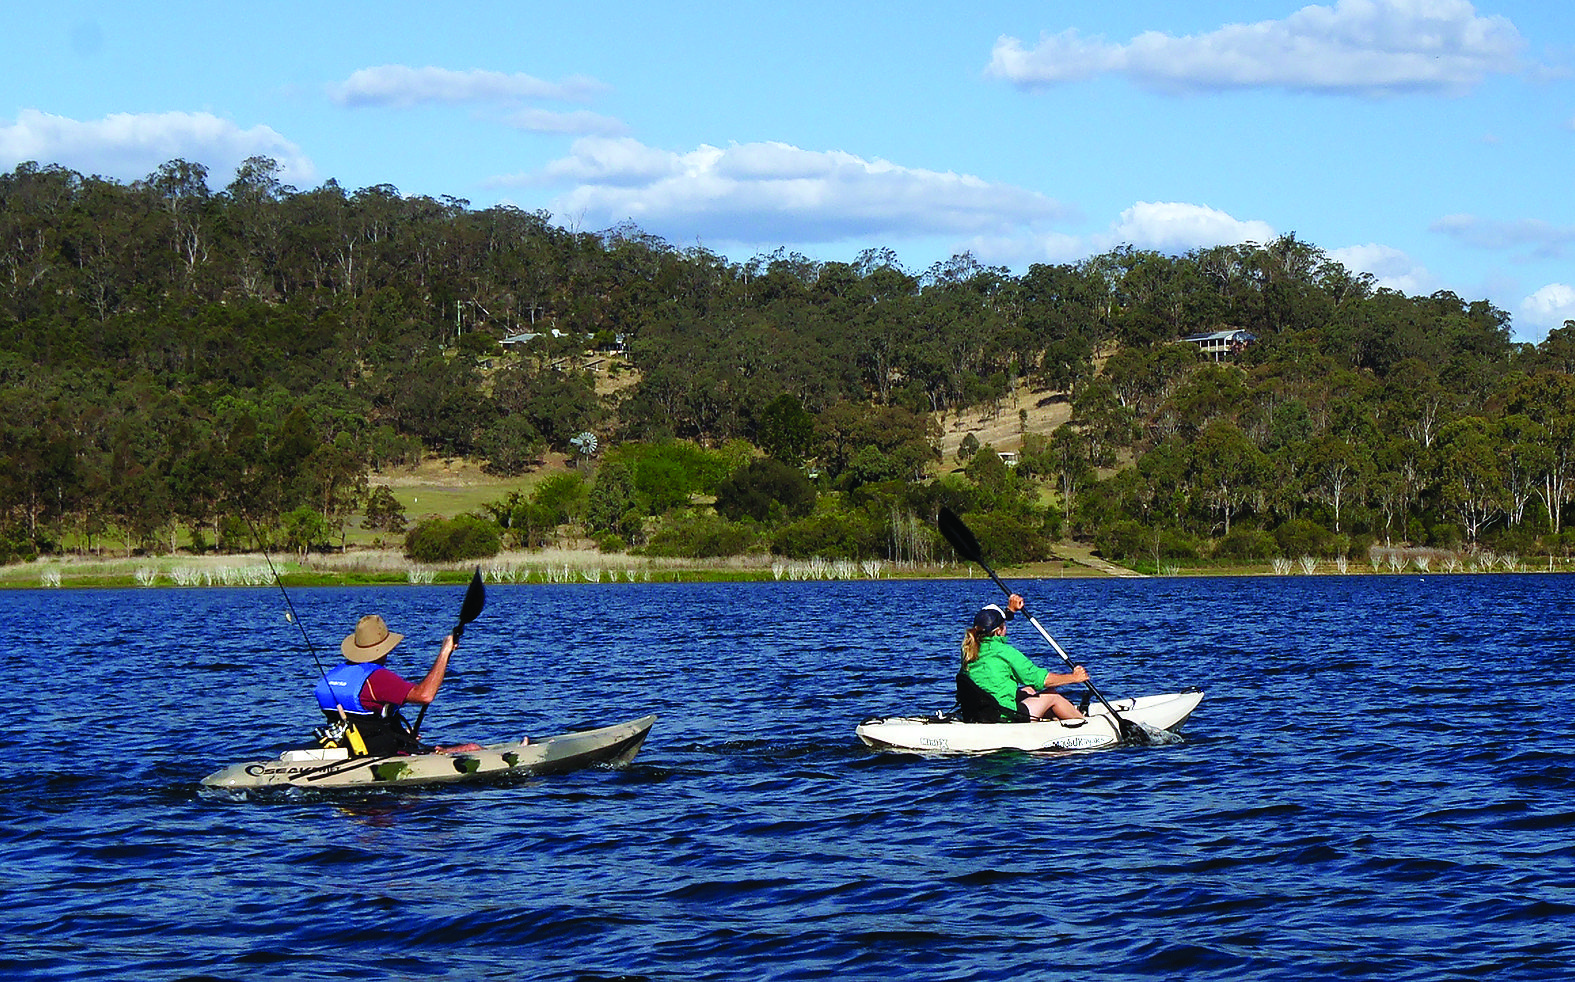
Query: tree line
(187, 367)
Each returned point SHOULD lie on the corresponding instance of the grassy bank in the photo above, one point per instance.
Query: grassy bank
(364, 567)
(370, 566)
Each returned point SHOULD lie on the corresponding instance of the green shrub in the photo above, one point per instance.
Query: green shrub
(383, 511)
(831, 535)
(611, 542)
(15, 546)
(1124, 539)
(1130, 539)
(765, 489)
(480, 344)
(667, 473)
(1300, 537)
(1009, 539)
(1176, 544)
(700, 535)
(235, 535)
(441, 540)
(1247, 543)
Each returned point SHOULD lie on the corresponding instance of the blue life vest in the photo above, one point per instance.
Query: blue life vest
(342, 688)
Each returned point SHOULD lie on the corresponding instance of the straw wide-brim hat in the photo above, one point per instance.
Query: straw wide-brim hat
(372, 640)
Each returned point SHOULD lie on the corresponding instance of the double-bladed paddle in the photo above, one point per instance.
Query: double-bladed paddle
(469, 610)
(962, 539)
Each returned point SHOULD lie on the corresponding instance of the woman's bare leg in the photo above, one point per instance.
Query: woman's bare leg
(1050, 704)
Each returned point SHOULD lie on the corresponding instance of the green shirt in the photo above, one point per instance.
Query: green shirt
(1001, 668)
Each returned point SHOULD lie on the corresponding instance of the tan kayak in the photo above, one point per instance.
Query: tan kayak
(610, 746)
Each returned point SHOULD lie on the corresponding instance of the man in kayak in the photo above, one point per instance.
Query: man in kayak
(361, 698)
(1006, 675)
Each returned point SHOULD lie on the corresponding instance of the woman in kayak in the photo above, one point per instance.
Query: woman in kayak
(1006, 675)
(365, 693)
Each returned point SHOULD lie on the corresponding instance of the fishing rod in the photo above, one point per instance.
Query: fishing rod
(290, 614)
(356, 742)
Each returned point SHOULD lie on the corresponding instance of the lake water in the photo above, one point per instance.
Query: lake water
(1377, 786)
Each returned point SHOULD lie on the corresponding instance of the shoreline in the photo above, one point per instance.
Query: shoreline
(375, 567)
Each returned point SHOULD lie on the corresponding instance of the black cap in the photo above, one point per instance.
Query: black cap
(991, 617)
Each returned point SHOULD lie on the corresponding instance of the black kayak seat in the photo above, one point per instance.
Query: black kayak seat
(974, 705)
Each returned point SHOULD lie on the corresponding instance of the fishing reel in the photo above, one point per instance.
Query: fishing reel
(331, 735)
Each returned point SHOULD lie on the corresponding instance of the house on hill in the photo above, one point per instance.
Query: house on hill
(526, 337)
(1222, 344)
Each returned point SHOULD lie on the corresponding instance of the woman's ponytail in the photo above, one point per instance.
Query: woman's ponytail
(970, 645)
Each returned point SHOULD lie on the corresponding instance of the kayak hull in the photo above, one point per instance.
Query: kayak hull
(947, 735)
(609, 746)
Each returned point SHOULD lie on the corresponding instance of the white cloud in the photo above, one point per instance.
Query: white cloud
(1541, 239)
(403, 86)
(1372, 47)
(1389, 266)
(774, 192)
(128, 146)
(581, 123)
(1170, 227)
(1176, 227)
(1550, 306)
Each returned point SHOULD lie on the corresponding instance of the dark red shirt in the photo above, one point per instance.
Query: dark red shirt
(384, 687)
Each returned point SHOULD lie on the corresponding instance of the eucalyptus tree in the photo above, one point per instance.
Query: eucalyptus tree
(1062, 316)
(1547, 399)
(1335, 470)
(1400, 469)
(1207, 393)
(1225, 470)
(1471, 474)
(253, 222)
(1071, 463)
(1144, 378)
(181, 189)
(1416, 401)
(1527, 459)
(883, 321)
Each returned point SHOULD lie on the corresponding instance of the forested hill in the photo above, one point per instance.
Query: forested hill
(174, 357)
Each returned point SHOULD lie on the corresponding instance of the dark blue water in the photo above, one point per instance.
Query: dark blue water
(1378, 786)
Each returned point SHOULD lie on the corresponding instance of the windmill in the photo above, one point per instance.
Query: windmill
(584, 444)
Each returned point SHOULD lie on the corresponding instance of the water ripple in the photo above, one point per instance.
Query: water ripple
(1347, 804)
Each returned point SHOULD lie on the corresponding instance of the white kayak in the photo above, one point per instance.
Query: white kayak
(945, 734)
(610, 746)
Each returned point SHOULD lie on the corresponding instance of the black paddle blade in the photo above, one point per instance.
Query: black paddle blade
(470, 609)
(960, 536)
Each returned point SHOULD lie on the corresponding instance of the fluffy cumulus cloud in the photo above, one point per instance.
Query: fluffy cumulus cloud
(1389, 266)
(774, 192)
(1176, 227)
(1550, 306)
(1372, 47)
(402, 86)
(128, 146)
(1171, 227)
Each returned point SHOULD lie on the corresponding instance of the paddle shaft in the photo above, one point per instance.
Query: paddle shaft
(962, 539)
(475, 599)
(1053, 643)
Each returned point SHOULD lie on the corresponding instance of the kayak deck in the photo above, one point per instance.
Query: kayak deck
(611, 746)
(944, 734)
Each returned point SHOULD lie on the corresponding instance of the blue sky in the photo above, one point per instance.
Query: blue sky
(1428, 142)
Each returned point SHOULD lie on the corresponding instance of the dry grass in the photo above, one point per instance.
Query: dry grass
(1026, 410)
